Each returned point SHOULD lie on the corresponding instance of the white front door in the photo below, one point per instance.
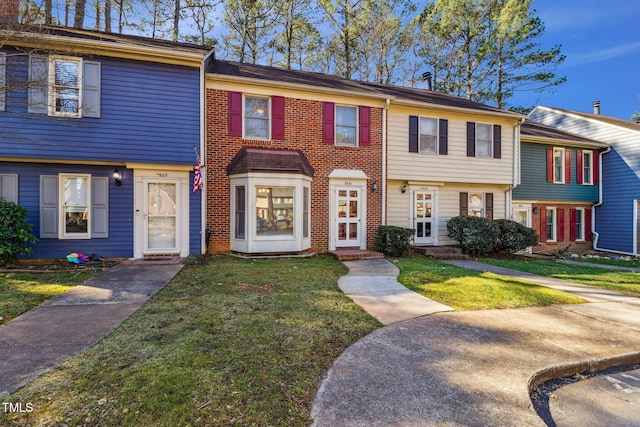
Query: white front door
(348, 216)
(161, 216)
(424, 217)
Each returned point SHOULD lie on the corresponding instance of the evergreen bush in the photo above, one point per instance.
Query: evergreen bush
(15, 231)
(394, 241)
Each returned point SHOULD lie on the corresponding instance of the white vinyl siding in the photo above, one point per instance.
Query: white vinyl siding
(448, 203)
(454, 167)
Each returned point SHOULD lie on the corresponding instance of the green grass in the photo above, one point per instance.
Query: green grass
(621, 281)
(231, 342)
(20, 292)
(464, 289)
(633, 263)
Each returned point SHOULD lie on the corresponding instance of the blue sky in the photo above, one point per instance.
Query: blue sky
(601, 41)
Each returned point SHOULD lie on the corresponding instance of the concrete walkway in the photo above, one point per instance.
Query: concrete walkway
(373, 284)
(477, 368)
(46, 336)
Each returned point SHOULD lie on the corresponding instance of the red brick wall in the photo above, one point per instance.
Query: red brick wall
(303, 131)
(537, 222)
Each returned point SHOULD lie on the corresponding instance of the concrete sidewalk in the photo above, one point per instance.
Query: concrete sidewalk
(46, 336)
(477, 368)
(373, 284)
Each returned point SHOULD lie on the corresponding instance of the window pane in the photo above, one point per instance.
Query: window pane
(76, 219)
(66, 90)
(305, 212)
(75, 191)
(274, 211)
(476, 204)
(428, 135)
(551, 235)
(162, 232)
(346, 125)
(256, 113)
(579, 225)
(66, 74)
(240, 213)
(558, 163)
(586, 168)
(483, 140)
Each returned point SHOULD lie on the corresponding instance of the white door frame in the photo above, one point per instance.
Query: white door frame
(162, 175)
(434, 216)
(346, 178)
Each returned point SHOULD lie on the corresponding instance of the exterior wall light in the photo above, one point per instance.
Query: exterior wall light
(374, 186)
(117, 177)
(404, 188)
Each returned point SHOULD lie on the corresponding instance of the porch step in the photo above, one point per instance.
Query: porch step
(441, 252)
(355, 254)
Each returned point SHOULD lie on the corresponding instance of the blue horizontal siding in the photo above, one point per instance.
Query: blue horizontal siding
(195, 215)
(120, 241)
(533, 179)
(614, 219)
(150, 113)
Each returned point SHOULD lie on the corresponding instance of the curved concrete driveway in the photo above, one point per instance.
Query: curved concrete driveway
(473, 368)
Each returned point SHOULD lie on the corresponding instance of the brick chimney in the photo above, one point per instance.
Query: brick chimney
(596, 107)
(9, 11)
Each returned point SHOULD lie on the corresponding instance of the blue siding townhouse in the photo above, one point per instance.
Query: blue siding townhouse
(617, 217)
(98, 140)
(559, 186)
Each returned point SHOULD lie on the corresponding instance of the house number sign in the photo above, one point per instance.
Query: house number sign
(162, 174)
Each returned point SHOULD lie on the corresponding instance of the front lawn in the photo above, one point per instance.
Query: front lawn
(620, 281)
(20, 292)
(231, 342)
(464, 289)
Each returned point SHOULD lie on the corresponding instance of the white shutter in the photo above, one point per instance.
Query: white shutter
(38, 92)
(48, 206)
(91, 89)
(99, 207)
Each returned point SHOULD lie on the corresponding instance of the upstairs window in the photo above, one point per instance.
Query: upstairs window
(346, 126)
(484, 140)
(428, 135)
(585, 167)
(256, 117)
(64, 81)
(559, 165)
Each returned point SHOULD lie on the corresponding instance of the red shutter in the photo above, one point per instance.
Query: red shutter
(235, 113)
(543, 224)
(549, 164)
(277, 117)
(587, 225)
(596, 167)
(328, 128)
(567, 166)
(560, 221)
(579, 172)
(365, 126)
(572, 225)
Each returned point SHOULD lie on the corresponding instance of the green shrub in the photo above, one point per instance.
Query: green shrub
(475, 235)
(15, 231)
(514, 237)
(394, 241)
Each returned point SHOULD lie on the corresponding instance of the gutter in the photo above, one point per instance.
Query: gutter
(508, 194)
(203, 152)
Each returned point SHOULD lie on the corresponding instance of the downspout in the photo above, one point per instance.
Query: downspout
(203, 152)
(383, 216)
(596, 235)
(515, 182)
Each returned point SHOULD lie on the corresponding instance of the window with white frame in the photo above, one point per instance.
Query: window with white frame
(428, 142)
(274, 211)
(65, 83)
(240, 212)
(484, 140)
(476, 204)
(75, 205)
(346, 125)
(256, 117)
(558, 165)
(587, 167)
(579, 230)
(551, 224)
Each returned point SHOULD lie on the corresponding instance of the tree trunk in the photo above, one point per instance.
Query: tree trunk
(48, 19)
(78, 19)
(176, 21)
(107, 16)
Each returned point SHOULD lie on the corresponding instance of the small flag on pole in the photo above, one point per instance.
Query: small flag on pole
(197, 174)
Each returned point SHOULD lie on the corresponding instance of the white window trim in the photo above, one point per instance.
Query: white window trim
(61, 226)
(52, 80)
(582, 225)
(554, 227)
(244, 117)
(590, 154)
(490, 156)
(562, 163)
(437, 145)
(357, 125)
